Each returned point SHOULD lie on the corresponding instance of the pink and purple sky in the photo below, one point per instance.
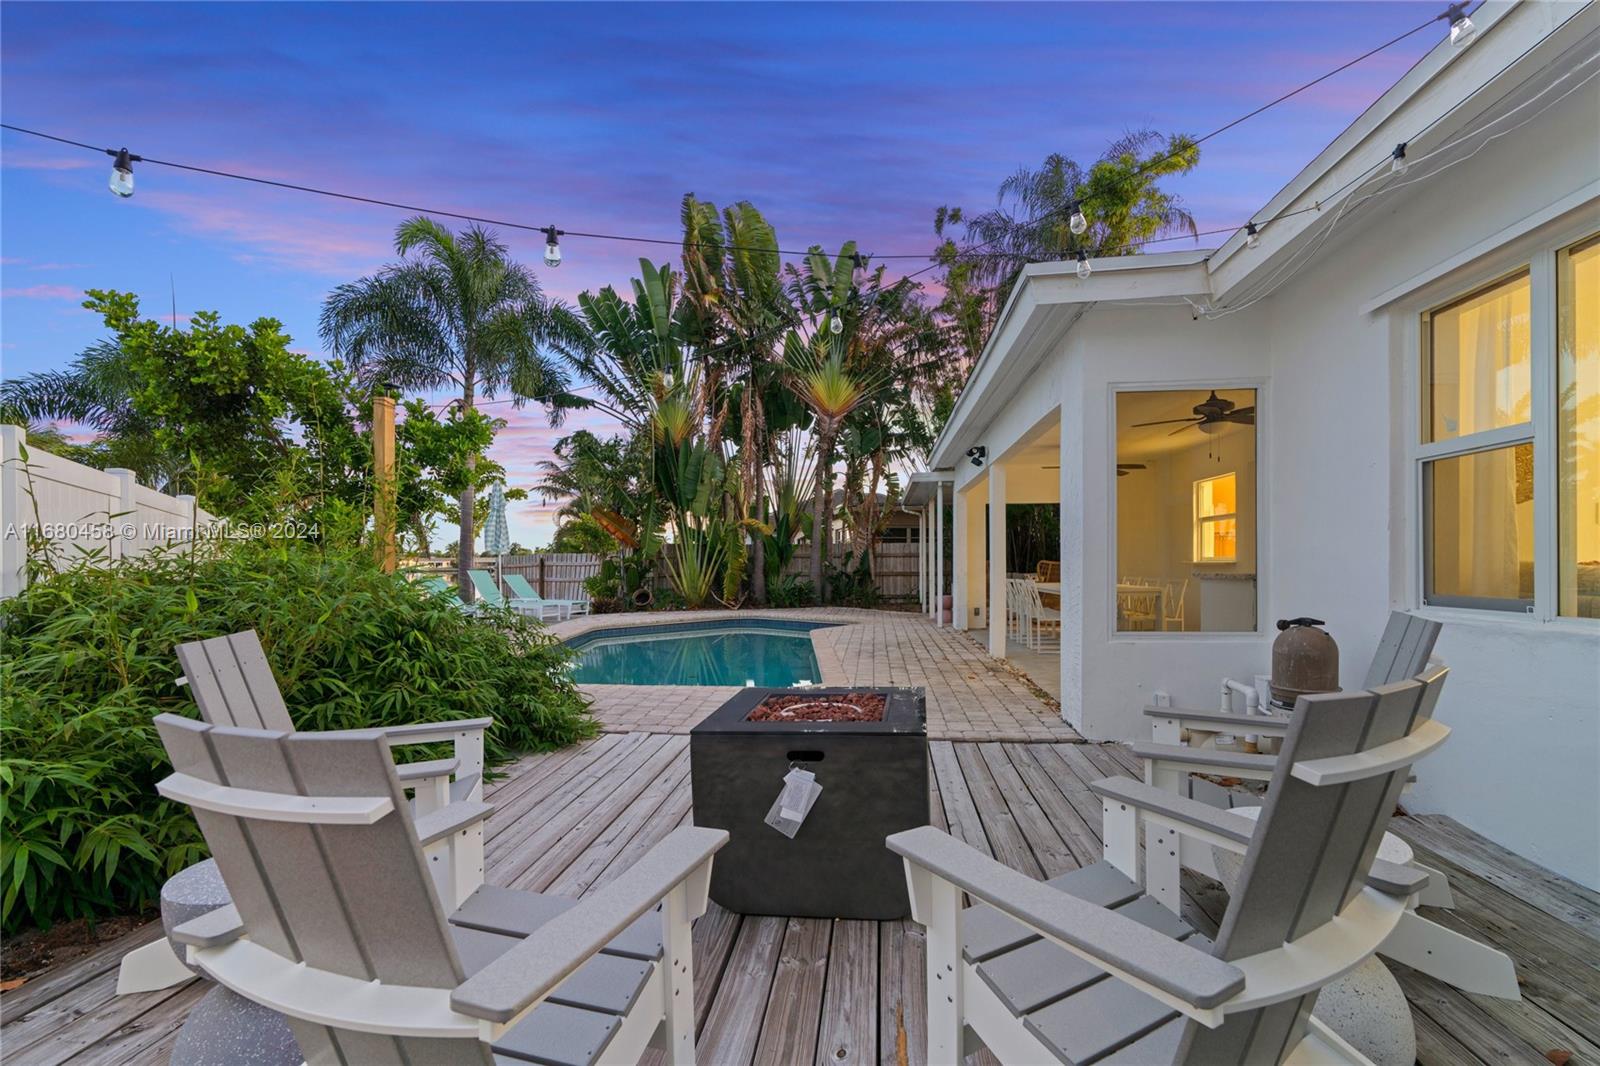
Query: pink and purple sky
(838, 121)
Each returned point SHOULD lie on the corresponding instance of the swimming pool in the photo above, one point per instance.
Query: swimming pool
(771, 653)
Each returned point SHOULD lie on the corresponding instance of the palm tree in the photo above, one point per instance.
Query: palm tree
(735, 305)
(96, 391)
(455, 311)
(1118, 195)
(825, 383)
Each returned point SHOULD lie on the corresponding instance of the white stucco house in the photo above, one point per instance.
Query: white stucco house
(1388, 397)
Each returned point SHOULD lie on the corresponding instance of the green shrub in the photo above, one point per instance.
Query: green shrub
(86, 661)
(791, 591)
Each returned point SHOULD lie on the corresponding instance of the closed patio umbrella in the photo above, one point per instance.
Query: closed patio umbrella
(496, 536)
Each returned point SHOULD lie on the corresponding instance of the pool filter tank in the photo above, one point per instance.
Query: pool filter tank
(1305, 660)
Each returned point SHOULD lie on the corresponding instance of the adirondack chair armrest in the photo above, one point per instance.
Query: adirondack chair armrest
(516, 982)
(449, 820)
(1393, 879)
(1235, 830)
(1255, 765)
(412, 773)
(1183, 975)
(211, 929)
(1216, 721)
(1189, 812)
(433, 732)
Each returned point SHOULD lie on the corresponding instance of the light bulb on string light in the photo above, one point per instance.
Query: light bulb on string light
(836, 324)
(122, 172)
(1397, 159)
(1462, 29)
(552, 247)
(1077, 222)
(1084, 269)
(858, 269)
(1252, 235)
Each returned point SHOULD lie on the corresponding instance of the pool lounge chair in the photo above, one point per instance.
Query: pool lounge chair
(489, 593)
(335, 924)
(1088, 968)
(525, 593)
(438, 585)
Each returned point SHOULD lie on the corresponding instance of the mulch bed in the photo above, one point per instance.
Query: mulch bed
(33, 951)
(865, 707)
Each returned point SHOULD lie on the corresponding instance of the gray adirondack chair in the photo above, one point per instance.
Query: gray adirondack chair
(1087, 968)
(233, 685)
(336, 924)
(1402, 652)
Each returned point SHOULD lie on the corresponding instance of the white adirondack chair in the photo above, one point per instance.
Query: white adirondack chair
(233, 685)
(337, 926)
(1088, 968)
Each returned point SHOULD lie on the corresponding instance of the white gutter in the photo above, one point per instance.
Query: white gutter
(1415, 110)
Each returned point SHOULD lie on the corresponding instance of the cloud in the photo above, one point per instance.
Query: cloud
(26, 160)
(292, 238)
(43, 292)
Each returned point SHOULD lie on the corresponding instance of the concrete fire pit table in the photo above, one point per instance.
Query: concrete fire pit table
(874, 778)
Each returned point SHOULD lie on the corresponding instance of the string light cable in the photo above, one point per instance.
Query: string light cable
(1383, 169)
(122, 180)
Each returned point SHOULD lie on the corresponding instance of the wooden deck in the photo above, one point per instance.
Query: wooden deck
(786, 991)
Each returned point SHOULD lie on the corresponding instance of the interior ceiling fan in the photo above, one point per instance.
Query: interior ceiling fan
(1210, 414)
(1124, 469)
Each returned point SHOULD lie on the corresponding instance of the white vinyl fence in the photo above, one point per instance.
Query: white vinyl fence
(80, 510)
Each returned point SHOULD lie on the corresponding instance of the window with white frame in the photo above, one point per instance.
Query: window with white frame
(1216, 519)
(1186, 536)
(1508, 370)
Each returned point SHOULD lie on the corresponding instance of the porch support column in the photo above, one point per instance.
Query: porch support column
(938, 553)
(997, 560)
(960, 565)
(923, 591)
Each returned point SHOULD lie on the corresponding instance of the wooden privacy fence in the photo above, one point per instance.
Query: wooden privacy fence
(556, 575)
(80, 510)
(560, 575)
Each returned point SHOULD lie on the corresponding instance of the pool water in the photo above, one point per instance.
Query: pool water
(771, 656)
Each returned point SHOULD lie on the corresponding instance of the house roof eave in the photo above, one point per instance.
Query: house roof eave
(1043, 307)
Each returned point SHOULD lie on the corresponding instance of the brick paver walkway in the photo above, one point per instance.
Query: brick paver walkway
(970, 696)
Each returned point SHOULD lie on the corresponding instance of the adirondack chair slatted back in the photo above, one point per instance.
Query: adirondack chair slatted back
(1311, 851)
(1403, 650)
(233, 684)
(354, 900)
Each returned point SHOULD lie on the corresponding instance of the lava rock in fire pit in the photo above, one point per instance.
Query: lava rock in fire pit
(869, 751)
(855, 707)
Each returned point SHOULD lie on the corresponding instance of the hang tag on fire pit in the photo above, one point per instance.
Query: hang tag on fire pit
(789, 810)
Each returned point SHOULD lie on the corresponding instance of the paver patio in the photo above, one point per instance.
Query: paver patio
(970, 695)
